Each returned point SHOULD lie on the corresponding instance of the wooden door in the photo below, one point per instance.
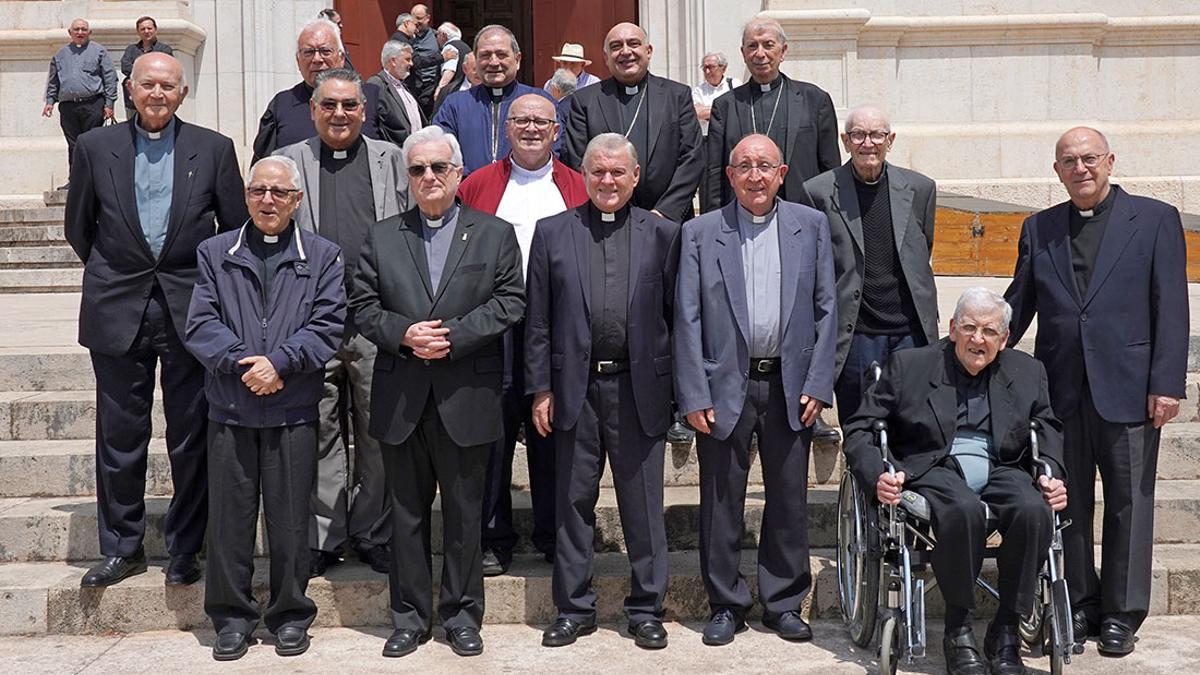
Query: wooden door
(581, 21)
(366, 25)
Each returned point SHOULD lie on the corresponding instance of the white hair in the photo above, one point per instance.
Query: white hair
(402, 17)
(610, 142)
(760, 23)
(982, 299)
(287, 162)
(432, 134)
(719, 56)
(565, 81)
(393, 48)
(866, 107)
(323, 23)
(450, 31)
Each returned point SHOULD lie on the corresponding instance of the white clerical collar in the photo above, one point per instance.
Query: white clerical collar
(758, 220)
(497, 91)
(435, 223)
(153, 135)
(1088, 214)
(339, 154)
(271, 238)
(608, 217)
(521, 172)
(765, 88)
(632, 90)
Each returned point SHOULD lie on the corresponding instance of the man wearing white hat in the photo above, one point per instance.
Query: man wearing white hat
(570, 57)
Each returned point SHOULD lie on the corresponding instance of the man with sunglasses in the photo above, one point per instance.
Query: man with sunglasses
(525, 187)
(350, 182)
(1104, 273)
(435, 290)
(268, 311)
(287, 119)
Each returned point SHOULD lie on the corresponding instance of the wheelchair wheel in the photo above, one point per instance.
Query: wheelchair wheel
(1032, 630)
(858, 561)
(889, 646)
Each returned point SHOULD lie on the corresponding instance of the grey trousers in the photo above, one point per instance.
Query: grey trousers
(349, 499)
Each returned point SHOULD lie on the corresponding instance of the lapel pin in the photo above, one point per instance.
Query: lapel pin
(190, 172)
(464, 236)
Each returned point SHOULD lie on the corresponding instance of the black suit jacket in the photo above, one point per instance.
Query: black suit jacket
(1129, 333)
(917, 398)
(913, 201)
(102, 225)
(390, 117)
(812, 138)
(558, 334)
(672, 168)
(480, 296)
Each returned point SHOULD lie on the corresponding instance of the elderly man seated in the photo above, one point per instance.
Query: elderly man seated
(958, 414)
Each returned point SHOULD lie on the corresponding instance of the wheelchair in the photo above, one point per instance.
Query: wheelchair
(883, 553)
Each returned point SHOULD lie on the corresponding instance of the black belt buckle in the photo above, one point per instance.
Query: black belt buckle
(608, 367)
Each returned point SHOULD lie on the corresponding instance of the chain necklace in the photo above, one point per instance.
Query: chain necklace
(774, 109)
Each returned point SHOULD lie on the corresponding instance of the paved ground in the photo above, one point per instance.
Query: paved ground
(1167, 645)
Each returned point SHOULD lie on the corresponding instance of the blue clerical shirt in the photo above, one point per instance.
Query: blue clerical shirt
(153, 179)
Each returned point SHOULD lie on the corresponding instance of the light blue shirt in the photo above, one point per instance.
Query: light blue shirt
(762, 269)
(153, 180)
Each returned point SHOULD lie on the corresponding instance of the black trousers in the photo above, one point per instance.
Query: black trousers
(1025, 523)
(608, 426)
(280, 464)
(784, 571)
(76, 117)
(426, 464)
(124, 396)
(1127, 457)
(498, 532)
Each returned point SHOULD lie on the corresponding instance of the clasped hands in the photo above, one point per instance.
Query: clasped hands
(261, 378)
(427, 339)
(889, 486)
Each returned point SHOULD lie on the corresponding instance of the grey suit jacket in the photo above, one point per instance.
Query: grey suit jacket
(389, 181)
(913, 199)
(712, 324)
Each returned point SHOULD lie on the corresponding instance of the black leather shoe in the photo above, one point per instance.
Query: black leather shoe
(183, 570)
(548, 556)
(114, 569)
(230, 646)
(321, 561)
(824, 432)
(465, 641)
(790, 626)
(378, 557)
(962, 656)
(494, 564)
(722, 626)
(1115, 639)
(565, 631)
(291, 641)
(648, 634)
(679, 433)
(1082, 628)
(403, 642)
(1002, 647)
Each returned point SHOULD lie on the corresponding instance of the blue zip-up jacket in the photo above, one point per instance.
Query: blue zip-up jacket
(300, 329)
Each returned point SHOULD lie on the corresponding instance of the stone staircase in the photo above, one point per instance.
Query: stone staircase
(34, 254)
(48, 516)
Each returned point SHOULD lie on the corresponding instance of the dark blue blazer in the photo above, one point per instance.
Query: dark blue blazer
(1129, 333)
(558, 333)
(102, 225)
(712, 325)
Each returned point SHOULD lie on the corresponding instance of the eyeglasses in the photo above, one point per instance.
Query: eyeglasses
(764, 168)
(310, 52)
(1069, 162)
(970, 329)
(330, 105)
(439, 169)
(878, 136)
(258, 192)
(709, 66)
(538, 123)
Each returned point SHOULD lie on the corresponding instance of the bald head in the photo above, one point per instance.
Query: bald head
(868, 138)
(1084, 162)
(627, 53)
(758, 145)
(531, 127)
(162, 62)
(1080, 135)
(157, 88)
(420, 14)
(756, 171)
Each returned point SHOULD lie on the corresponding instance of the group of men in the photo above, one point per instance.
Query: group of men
(432, 291)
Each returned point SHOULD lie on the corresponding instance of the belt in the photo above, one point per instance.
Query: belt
(764, 365)
(609, 367)
(85, 99)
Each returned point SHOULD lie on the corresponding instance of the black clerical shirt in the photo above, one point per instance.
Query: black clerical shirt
(769, 115)
(608, 263)
(347, 201)
(269, 254)
(974, 412)
(1086, 234)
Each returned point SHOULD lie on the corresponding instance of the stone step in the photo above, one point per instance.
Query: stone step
(45, 598)
(55, 415)
(64, 528)
(26, 370)
(50, 256)
(41, 280)
(26, 215)
(33, 233)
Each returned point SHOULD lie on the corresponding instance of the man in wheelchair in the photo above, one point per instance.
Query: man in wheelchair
(958, 415)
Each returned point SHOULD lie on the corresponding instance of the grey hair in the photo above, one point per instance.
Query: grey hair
(866, 107)
(393, 48)
(323, 23)
(287, 162)
(432, 134)
(402, 17)
(758, 23)
(609, 142)
(450, 31)
(719, 56)
(492, 28)
(565, 81)
(343, 74)
(985, 299)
